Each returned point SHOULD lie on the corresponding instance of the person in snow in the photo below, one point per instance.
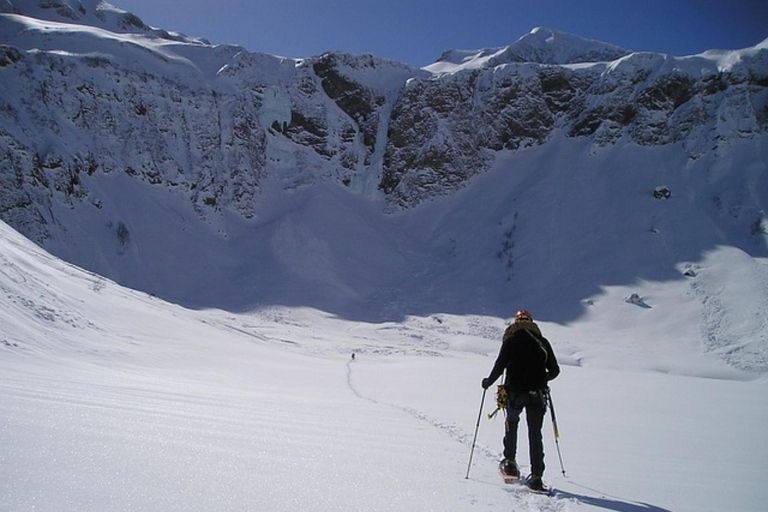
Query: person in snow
(530, 363)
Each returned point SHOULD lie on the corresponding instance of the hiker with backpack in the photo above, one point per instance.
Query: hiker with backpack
(530, 363)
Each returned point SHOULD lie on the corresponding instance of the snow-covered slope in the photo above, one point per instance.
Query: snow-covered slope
(94, 13)
(111, 399)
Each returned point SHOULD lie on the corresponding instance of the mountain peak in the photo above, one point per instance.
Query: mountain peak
(85, 12)
(541, 46)
(547, 46)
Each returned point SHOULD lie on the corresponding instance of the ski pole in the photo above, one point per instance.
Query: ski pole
(477, 427)
(556, 430)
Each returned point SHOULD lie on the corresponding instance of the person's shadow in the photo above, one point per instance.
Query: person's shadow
(609, 503)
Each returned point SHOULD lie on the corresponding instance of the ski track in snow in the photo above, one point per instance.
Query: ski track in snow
(523, 500)
(452, 431)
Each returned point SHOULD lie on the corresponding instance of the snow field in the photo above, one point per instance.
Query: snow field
(112, 399)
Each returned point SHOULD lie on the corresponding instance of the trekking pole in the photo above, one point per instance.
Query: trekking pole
(556, 430)
(477, 427)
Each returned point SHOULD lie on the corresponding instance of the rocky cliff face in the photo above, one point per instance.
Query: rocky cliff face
(205, 122)
(91, 90)
(461, 118)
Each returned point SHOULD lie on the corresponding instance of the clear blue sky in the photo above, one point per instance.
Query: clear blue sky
(416, 32)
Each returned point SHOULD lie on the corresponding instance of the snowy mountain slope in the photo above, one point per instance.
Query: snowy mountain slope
(158, 408)
(114, 400)
(209, 126)
(214, 177)
(95, 13)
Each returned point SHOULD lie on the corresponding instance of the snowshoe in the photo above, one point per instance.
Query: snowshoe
(509, 471)
(535, 484)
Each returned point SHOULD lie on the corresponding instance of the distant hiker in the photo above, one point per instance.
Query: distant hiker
(530, 363)
(353, 356)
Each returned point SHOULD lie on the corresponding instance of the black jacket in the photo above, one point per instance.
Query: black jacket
(528, 358)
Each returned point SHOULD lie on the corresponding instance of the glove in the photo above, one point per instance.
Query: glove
(487, 383)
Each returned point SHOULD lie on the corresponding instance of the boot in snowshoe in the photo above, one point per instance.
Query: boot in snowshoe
(509, 470)
(535, 484)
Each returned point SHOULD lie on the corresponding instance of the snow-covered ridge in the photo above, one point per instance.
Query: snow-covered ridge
(81, 40)
(96, 13)
(540, 46)
(551, 47)
(100, 31)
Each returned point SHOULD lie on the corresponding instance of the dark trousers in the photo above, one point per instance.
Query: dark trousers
(535, 408)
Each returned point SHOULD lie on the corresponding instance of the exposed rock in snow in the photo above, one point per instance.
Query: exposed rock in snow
(636, 300)
(662, 192)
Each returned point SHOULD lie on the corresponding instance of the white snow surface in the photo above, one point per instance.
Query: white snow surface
(111, 399)
(95, 13)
